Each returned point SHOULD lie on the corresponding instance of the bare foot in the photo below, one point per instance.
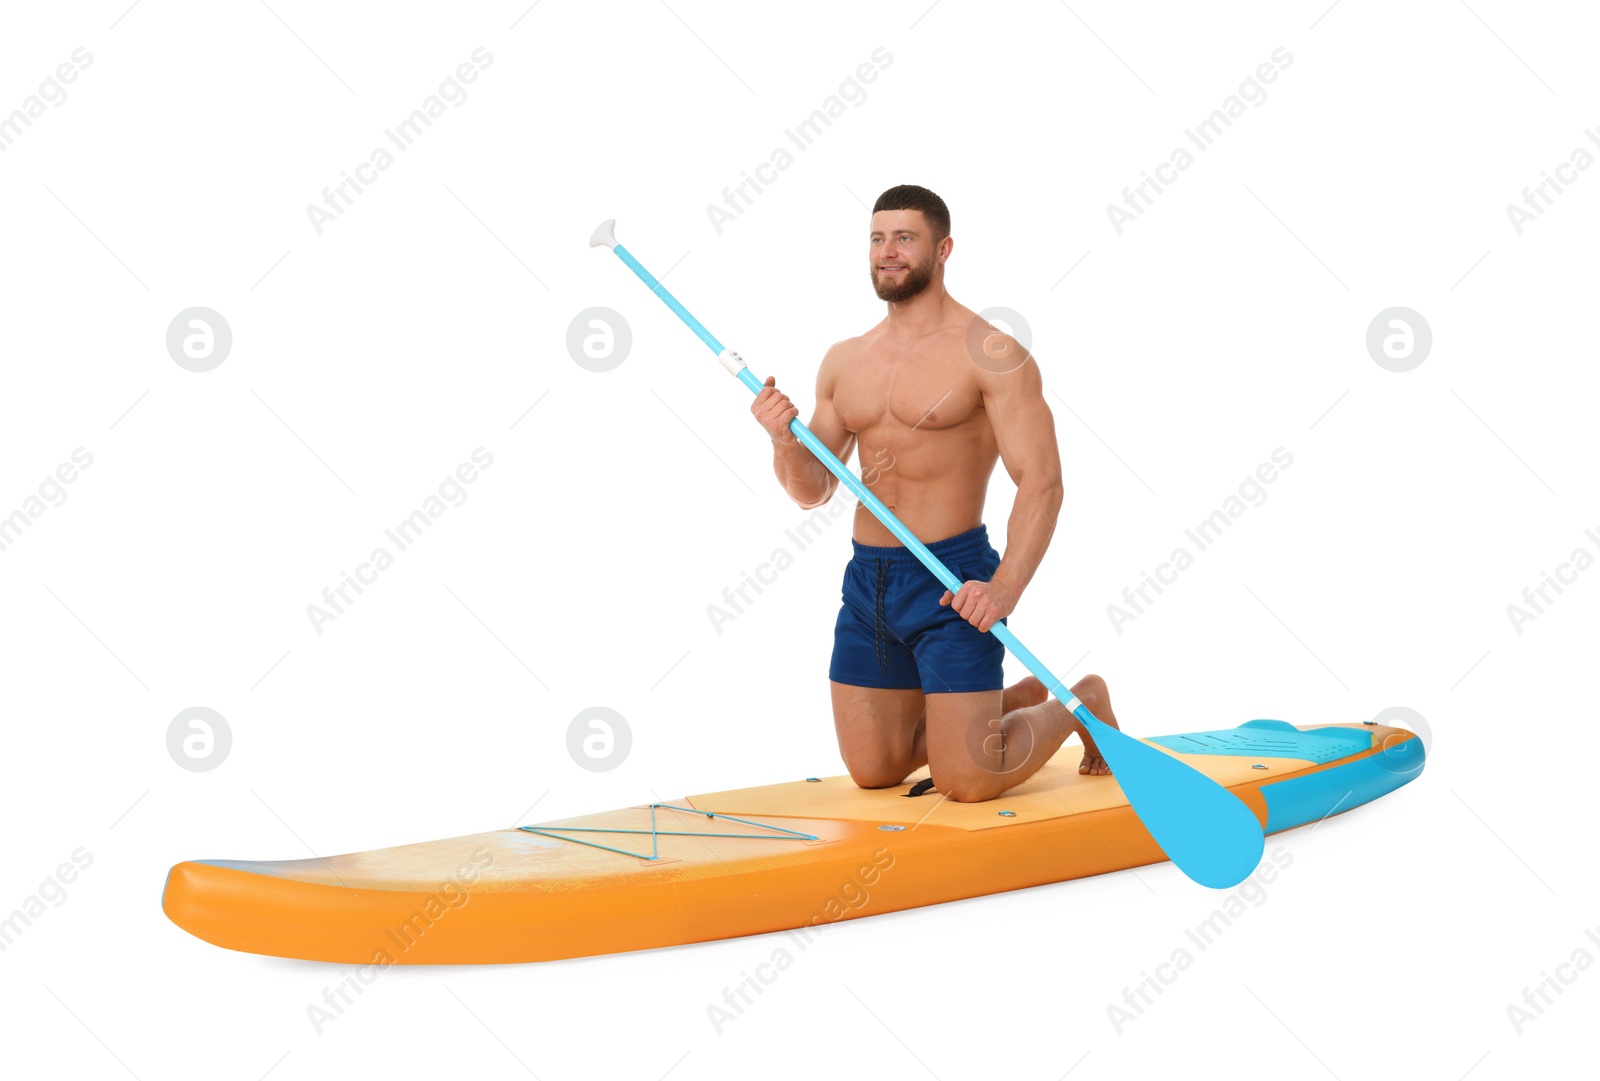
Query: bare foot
(1092, 690)
(1028, 704)
(1094, 763)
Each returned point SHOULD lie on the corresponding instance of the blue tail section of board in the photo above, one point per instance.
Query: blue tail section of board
(1297, 801)
(1313, 797)
(1272, 739)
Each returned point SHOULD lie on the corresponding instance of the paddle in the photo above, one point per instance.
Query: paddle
(1203, 828)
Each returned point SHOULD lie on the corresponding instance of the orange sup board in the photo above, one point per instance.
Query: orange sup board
(753, 860)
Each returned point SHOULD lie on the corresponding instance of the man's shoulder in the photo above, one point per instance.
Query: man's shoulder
(860, 341)
(996, 352)
(846, 349)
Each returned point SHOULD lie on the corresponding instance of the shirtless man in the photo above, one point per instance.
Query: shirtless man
(931, 397)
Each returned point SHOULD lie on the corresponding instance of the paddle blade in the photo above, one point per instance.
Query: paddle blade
(1202, 827)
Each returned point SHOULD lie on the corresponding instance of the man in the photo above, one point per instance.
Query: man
(930, 398)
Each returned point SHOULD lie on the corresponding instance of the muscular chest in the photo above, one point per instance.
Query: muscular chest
(895, 393)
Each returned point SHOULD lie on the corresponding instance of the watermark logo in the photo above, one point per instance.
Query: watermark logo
(450, 94)
(1537, 598)
(852, 93)
(599, 739)
(1552, 985)
(1138, 998)
(1542, 196)
(51, 493)
(988, 344)
(451, 492)
(736, 599)
(199, 739)
(598, 339)
(450, 896)
(1251, 492)
(853, 895)
(51, 94)
(199, 339)
(1399, 339)
(1393, 759)
(990, 749)
(1251, 94)
(52, 893)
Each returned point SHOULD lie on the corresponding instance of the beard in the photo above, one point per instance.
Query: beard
(915, 279)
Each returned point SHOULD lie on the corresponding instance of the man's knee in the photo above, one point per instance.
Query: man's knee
(966, 784)
(878, 772)
(1090, 687)
(877, 776)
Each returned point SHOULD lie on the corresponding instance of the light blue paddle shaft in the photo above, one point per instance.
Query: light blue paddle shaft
(1203, 828)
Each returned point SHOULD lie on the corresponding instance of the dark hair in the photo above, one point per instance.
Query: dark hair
(916, 197)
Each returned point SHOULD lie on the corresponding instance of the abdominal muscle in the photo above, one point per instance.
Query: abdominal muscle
(924, 442)
(933, 481)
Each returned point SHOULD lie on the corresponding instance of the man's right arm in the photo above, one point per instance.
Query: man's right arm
(806, 480)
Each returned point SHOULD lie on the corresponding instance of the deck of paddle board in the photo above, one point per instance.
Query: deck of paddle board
(514, 895)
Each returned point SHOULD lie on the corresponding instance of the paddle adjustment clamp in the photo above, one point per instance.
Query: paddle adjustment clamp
(732, 361)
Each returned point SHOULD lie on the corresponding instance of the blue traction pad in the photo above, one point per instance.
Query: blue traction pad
(1272, 739)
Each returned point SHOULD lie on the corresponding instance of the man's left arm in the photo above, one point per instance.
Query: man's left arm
(1025, 432)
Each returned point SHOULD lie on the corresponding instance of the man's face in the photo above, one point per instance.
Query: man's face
(902, 254)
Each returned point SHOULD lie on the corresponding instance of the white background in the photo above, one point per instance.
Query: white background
(370, 360)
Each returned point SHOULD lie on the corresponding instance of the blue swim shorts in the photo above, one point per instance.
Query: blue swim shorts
(893, 632)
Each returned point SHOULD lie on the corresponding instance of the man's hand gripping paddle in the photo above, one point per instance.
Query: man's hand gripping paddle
(1203, 828)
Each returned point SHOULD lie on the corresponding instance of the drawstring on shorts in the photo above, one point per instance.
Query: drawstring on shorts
(881, 622)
